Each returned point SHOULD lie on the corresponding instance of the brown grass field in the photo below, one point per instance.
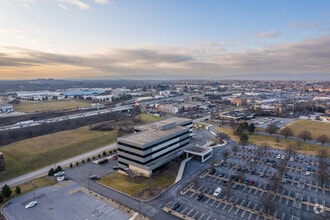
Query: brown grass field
(122, 183)
(261, 140)
(30, 154)
(316, 128)
(45, 106)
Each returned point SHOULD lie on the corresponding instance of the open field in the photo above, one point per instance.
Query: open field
(133, 187)
(316, 128)
(30, 154)
(45, 106)
(261, 140)
(147, 118)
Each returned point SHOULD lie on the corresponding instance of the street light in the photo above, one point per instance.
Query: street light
(33, 187)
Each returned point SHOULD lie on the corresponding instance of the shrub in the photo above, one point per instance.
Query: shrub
(17, 190)
(77, 163)
(51, 172)
(104, 153)
(88, 159)
(58, 169)
(6, 191)
(71, 165)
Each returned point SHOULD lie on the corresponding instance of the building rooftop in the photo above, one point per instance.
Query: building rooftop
(198, 150)
(150, 135)
(161, 123)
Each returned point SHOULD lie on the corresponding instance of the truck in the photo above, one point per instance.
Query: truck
(22, 123)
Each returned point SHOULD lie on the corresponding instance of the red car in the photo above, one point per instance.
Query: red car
(251, 182)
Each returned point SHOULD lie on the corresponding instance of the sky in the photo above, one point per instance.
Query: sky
(165, 39)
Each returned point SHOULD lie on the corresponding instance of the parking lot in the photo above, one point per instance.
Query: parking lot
(246, 180)
(65, 200)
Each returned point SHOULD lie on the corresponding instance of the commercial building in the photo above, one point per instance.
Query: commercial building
(153, 145)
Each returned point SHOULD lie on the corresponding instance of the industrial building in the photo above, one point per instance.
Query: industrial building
(153, 145)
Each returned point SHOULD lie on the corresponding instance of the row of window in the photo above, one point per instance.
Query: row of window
(153, 159)
(154, 152)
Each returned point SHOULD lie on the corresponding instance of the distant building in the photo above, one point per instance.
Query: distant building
(171, 109)
(4, 107)
(153, 145)
(2, 162)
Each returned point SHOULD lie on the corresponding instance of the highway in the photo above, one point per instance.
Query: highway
(31, 123)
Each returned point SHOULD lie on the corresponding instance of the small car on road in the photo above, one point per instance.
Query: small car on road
(31, 204)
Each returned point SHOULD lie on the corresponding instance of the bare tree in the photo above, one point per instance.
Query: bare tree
(268, 203)
(287, 132)
(323, 139)
(225, 154)
(277, 139)
(235, 148)
(259, 152)
(323, 168)
(271, 129)
(282, 166)
(276, 182)
(228, 190)
(305, 135)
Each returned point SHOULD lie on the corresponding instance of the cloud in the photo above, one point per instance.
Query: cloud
(269, 34)
(308, 57)
(102, 2)
(79, 3)
(302, 25)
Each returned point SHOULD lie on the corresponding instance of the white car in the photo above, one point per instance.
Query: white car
(278, 156)
(60, 178)
(291, 159)
(217, 191)
(61, 173)
(308, 173)
(31, 204)
(283, 157)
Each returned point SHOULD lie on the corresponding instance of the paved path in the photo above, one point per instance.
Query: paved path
(44, 171)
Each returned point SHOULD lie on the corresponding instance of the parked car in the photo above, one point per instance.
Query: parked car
(60, 173)
(31, 204)
(60, 178)
(251, 182)
(200, 196)
(221, 174)
(291, 159)
(278, 156)
(308, 173)
(176, 206)
(246, 181)
(235, 186)
(217, 191)
(94, 177)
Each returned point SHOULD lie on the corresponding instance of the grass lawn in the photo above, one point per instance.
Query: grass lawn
(30, 154)
(122, 183)
(147, 118)
(316, 128)
(28, 186)
(45, 106)
(261, 140)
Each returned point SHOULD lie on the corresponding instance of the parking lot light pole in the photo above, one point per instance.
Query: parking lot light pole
(33, 187)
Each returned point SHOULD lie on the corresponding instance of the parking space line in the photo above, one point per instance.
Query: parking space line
(243, 213)
(283, 215)
(255, 193)
(237, 209)
(200, 217)
(195, 214)
(231, 208)
(208, 199)
(250, 190)
(191, 210)
(213, 202)
(262, 192)
(243, 201)
(275, 213)
(255, 206)
(223, 208)
(248, 205)
(250, 215)
(208, 217)
(236, 200)
(184, 210)
(219, 203)
(192, 195)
